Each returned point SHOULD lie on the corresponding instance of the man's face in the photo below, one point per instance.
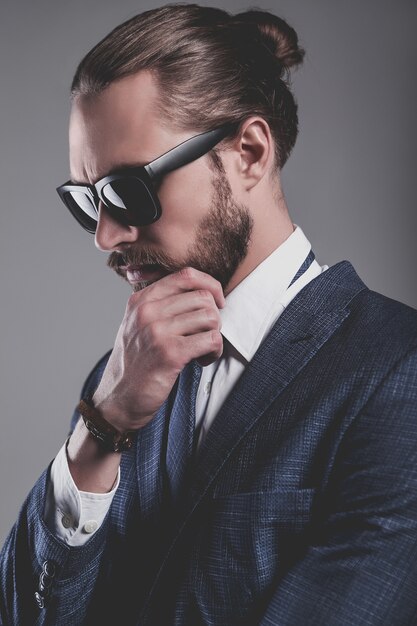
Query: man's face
(201, 224)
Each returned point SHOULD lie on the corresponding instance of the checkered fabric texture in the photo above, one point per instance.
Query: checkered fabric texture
(301, 506)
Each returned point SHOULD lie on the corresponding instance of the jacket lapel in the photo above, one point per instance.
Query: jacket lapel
(306, 324)
(150, 463)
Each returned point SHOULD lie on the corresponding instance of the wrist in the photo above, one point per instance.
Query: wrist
(93, 469)
(108, 437)
(121, 418)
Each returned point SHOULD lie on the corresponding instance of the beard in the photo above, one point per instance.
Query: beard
(220, 243)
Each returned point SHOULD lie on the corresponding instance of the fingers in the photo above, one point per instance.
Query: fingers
(179, 339)
(188, 301)
(177, 318)
(187, 279)
(206, 347)
(189, 323)
(147, 311)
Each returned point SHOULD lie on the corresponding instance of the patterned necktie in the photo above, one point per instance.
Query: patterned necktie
(304, 266)
(181, 428)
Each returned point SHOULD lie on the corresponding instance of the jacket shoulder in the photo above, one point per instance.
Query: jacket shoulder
(379, 315)
(370, 313)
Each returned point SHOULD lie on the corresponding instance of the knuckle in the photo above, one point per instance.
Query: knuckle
(216, 339)
(187, 273)
(155, 330)
(211, 316)
(204, 294)
(143, 313)
(132, 301)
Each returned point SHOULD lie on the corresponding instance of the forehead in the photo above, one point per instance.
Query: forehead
(120, 125)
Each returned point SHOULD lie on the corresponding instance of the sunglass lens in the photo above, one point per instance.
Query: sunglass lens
(130, 200)
(83, 209)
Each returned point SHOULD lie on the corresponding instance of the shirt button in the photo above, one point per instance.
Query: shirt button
(90, 526)
(66, 520)
(207, 388)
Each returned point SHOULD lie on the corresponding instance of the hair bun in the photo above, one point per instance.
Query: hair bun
(278, 36)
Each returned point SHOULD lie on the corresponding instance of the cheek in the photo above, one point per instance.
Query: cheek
(185, 197)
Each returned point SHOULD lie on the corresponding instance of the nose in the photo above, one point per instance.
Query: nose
(112, 235)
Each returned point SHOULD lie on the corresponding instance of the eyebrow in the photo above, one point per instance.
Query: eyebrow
(116, 168)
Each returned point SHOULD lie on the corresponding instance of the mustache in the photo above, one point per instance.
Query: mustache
(144, 256)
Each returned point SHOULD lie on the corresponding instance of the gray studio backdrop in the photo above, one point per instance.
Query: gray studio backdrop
(349, 184)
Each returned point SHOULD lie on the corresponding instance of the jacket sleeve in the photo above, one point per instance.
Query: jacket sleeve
(40, 575)
(361, 565)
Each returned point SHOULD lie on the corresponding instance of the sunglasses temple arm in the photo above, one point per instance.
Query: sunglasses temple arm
(189, 150)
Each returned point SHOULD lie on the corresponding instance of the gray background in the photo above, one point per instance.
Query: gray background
(349, 185)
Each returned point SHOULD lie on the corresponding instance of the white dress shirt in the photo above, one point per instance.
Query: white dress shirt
(251, 310)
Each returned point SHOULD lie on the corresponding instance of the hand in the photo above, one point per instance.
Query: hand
(165, 326)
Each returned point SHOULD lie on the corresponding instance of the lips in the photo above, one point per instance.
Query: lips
(144, 273)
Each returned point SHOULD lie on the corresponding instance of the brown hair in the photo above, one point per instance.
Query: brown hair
(212, 67)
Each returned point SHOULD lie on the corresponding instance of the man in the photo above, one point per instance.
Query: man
(246, 453)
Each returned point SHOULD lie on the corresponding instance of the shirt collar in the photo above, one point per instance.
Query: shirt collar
(250, 305)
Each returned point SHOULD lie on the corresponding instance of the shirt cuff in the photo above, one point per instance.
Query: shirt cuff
(70, 514)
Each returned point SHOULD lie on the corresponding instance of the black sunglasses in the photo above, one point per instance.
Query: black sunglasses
(129, 194)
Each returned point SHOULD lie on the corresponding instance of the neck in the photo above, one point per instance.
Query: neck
(270, 230)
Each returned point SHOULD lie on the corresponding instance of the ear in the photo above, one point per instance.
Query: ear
(255, 148)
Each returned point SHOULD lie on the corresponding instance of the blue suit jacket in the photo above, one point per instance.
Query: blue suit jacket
(302, 505)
